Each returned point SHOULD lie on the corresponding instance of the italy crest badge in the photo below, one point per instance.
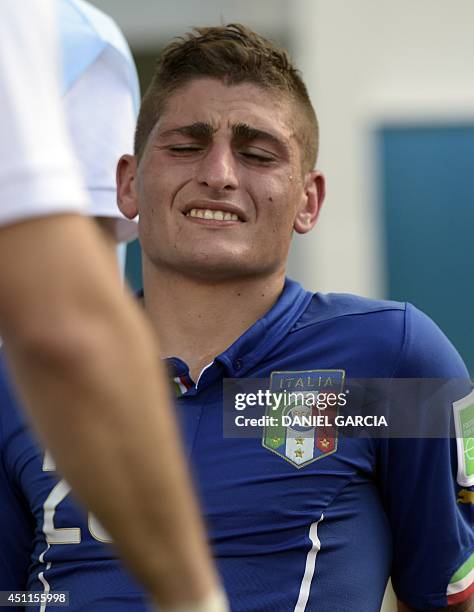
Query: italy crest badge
(303, 430)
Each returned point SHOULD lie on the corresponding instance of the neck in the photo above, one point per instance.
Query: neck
(197, 321)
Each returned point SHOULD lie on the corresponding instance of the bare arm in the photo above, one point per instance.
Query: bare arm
(466, 606)
(83, 358)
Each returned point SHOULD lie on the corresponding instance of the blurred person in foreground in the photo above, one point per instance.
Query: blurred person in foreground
(223, 174)
(68, 328)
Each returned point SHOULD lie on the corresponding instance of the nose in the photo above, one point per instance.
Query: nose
(217, 168)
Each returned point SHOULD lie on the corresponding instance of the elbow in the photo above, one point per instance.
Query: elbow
(62, 344)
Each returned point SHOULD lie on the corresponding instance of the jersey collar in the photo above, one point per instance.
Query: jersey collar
(251, 348)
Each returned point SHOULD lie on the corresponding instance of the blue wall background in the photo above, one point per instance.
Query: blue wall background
(427, 192)
(133, 266)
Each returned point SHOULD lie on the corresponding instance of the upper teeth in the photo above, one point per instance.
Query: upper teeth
(206, 213)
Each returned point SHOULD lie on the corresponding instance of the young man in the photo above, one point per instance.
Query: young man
(225, 149)
(67, 325)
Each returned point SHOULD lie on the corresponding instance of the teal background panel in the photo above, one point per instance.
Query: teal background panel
(426, 177)
(133, 265)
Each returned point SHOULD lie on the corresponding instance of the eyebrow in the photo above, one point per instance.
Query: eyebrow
(245, 132)
(199, 131)
(240, 132)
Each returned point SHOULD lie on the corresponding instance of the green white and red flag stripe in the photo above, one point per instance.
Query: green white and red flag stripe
(461, 585)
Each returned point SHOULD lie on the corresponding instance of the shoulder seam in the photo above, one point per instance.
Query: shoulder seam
(349, 314)
(403, 343)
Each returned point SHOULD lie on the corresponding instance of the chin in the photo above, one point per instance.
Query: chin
(217, 270)
(216, 265)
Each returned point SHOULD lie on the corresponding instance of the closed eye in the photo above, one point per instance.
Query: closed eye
(263, 159)
(184, 148)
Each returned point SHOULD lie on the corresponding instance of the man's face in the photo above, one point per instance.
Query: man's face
(219, 188)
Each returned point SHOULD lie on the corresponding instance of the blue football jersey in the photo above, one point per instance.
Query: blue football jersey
(294, 526)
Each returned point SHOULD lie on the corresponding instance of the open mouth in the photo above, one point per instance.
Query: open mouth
(213, 215)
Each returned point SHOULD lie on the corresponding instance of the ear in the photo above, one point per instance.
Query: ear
(314, 191)
(126, 192)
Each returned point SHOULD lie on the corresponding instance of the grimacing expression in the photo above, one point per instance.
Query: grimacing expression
(219, 188)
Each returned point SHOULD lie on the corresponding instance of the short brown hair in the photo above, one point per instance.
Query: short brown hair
(234, 54)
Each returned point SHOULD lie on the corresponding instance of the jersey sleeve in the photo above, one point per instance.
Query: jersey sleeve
(38, 172)
(430, 509)
(16, 522)
(101, 96)
(101, 118)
